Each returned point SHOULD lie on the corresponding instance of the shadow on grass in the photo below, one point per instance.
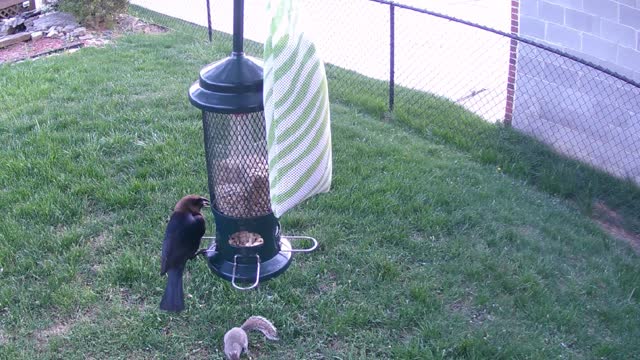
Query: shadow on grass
(513, 153)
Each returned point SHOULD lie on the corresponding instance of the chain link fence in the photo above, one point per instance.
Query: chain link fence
(549, 118)
(188, 25)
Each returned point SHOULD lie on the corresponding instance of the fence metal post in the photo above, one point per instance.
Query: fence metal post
(209, 21)
(392, 54)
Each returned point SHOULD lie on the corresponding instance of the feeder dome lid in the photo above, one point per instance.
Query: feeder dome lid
(232, 85)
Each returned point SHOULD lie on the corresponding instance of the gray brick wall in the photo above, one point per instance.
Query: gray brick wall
(579, 111)
(605, 31)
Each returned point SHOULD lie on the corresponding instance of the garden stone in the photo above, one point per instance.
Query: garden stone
(14, 39)
(15, 21)
(81, 31)
(69, 28)
(54, 19)
(13, 26)
(36, 35)
(52, 33)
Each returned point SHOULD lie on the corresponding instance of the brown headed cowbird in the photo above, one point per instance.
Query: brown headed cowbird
(181, 242)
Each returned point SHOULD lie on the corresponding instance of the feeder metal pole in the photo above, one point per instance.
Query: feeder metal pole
(392, 55)
(238, 26)
(209, 21)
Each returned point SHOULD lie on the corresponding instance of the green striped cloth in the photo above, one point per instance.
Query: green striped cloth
(296, 107)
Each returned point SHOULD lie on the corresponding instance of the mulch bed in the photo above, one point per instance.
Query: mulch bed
(34, 49)
(46, 46)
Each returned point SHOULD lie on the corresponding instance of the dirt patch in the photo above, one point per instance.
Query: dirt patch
(97, 242)
(43, 336)
(201, 351)
(336, 345)
(325, 288)
(45, 46)
(612, 222)
(32, 49)
(475, 315)
(3, 337)
(127, 24)
(61, 328)
(419, 237)
(131, 300)
(59, 230)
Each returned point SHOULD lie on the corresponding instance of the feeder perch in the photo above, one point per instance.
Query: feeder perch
(248, 245)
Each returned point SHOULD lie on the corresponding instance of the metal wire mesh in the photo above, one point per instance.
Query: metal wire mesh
(581, 112)
(456, 66)
(236, 152)
(556, 121)
(188, 19)
(203, 21)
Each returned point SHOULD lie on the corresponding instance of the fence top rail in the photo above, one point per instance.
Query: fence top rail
(514, 37)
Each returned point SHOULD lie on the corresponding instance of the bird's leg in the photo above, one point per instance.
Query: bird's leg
(199, 252)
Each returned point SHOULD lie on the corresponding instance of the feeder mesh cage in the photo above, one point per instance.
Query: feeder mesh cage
(236, 152)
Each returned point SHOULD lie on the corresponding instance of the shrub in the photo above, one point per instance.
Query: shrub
(95, 13)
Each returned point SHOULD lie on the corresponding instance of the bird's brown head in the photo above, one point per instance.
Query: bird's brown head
(192, 204)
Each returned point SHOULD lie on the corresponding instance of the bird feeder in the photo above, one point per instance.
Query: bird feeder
(248, 245)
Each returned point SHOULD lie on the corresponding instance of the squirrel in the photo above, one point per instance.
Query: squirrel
(236, 340)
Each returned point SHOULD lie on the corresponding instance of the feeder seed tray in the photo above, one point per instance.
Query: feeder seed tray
(245, 239)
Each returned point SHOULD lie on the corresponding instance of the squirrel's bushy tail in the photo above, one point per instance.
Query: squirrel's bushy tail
(173, 298)
(261, 324)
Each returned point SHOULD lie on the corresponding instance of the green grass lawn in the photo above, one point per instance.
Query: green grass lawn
(426, 252)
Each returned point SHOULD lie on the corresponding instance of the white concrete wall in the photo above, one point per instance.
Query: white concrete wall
(604, 31)
(579, 111)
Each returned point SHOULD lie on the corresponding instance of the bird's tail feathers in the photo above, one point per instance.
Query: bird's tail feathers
(173, 298)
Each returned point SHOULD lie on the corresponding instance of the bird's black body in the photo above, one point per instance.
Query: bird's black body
(181, 242)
